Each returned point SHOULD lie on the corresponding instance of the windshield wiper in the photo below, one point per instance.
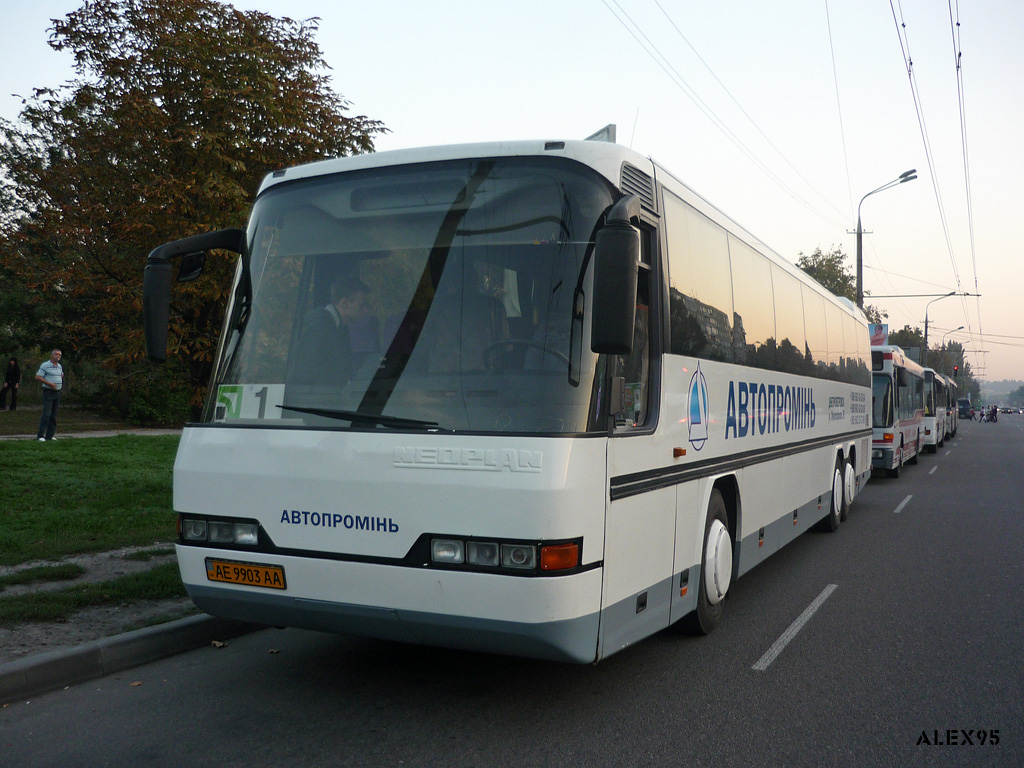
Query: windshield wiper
(356, 417)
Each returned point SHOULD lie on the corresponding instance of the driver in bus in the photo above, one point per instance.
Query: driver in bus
(334, 336)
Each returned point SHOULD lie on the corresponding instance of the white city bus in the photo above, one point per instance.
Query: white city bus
(897, 409)
(572, 402)
(952, 409)
(936, 409)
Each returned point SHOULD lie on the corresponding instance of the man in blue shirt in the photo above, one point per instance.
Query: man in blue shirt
(51, 376)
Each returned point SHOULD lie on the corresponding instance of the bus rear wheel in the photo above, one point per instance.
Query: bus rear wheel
(850, 484)
(715, 569)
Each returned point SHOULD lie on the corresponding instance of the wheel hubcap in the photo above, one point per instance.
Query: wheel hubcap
(717, 563)
(837, 492)
(851, 484)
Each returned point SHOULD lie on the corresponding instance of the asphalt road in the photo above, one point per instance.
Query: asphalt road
(917, 638)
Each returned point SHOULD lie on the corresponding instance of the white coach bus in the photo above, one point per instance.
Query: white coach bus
(533, 398)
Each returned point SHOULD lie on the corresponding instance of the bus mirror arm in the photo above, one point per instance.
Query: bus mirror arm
(616, 266)
(156, 280)
(624, 211)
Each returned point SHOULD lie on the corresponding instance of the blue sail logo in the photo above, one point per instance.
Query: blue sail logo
(698, 409)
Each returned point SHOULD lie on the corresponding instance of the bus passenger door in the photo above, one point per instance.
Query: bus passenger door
(640, 523)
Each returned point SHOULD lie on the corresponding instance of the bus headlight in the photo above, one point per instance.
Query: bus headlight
(446, 551)
(482, 553)
(193, 530)
(247, 534)
(519, 558)
(222, 533)
(197, 529)
(518, 555)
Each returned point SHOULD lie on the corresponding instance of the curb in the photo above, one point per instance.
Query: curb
(51, 671)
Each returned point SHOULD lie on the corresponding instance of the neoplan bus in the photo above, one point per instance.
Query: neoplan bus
(897, 409)
(936, 405)
(570, 403)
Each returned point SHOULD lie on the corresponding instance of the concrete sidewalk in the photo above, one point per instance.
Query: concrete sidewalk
(44, 672)
(35, 675)
(99, 433)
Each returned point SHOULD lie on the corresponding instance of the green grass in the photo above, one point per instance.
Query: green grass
(62, 572)
(158, 583)
(85, 495)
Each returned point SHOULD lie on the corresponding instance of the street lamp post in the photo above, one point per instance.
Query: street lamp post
(924, 352)
(942, 345)
(902, 178)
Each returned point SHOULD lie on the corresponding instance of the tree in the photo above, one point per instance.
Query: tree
(829, 269)
(177, 112)
(907, 338)
(1016, 398)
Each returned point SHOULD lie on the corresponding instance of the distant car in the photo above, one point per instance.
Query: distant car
(1006, 409)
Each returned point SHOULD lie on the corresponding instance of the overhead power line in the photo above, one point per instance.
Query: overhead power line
(623, 17)
(958, 63)
(901, 32)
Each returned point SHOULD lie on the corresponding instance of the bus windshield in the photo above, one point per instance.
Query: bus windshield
(442, 296)
(881, 400)
(929, 393)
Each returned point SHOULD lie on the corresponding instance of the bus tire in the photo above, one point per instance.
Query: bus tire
(895, 471)
(917, 451)
(715, 569)
(837, 500)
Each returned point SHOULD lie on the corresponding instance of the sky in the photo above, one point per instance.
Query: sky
(783, 115)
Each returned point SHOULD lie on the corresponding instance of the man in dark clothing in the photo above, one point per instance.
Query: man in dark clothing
(330, 346)
(12, 380)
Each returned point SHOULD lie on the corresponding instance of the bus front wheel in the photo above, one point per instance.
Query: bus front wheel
(837, 508)
(715, 568)
(895, 471)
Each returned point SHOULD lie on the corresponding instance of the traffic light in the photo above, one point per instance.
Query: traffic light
(956, 371)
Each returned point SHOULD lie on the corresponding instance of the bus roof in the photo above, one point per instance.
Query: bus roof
(898, 356)
(604, 157)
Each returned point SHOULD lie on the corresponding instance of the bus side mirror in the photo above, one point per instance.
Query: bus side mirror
(156, 308)
(191, 267)
(616, 266)
(156, 280)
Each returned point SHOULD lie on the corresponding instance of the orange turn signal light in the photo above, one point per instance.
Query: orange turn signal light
(559, 557)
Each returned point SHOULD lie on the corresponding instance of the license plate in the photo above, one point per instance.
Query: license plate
(248, 574)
